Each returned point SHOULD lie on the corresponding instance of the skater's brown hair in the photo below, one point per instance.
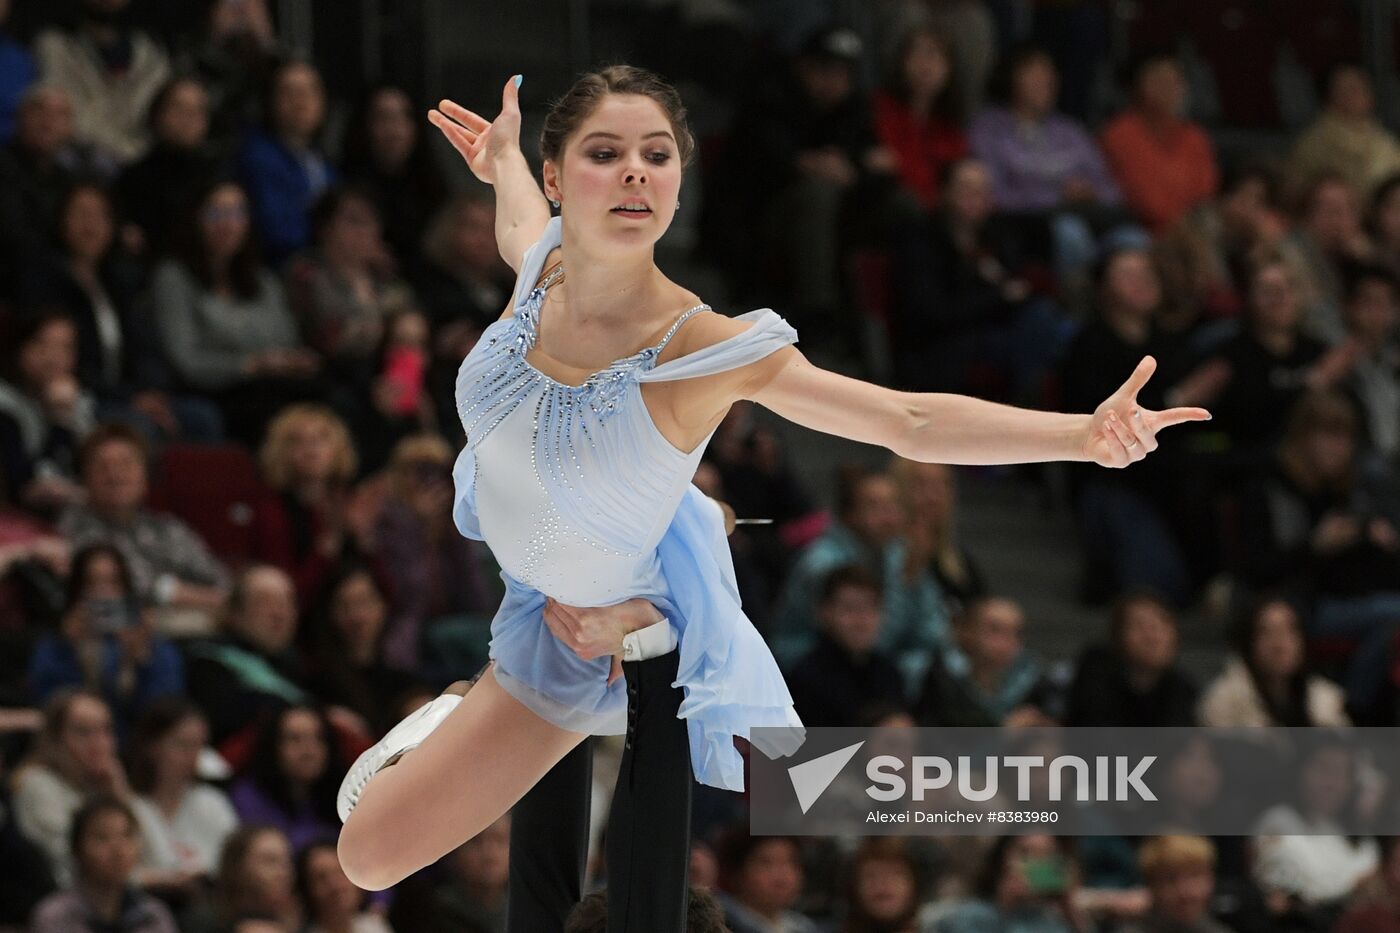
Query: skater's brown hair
(579, 102)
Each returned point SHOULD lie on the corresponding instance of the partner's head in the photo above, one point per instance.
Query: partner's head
(614, 148)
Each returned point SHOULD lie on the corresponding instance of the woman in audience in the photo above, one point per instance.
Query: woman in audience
(76, 756)
(293, 777)
(400, 401)
(883, 889)
(918, 114)
(1135, 679)
(343, 291)
(256, 879)
(45, 412)
(186, 820)
(106, 641)
(333, 904)
(223, 320)
(105, 843)
(282, 165)
(930, 496)
(388, 155)
(761, 878)
(347, 659)
(1267, 683)
(1309, 524)
(433, 571)
(1028, 885)
(309, 462)
(1329, 236)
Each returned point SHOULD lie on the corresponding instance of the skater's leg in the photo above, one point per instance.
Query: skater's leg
(469, 771)
(549, 845)
(648, 847)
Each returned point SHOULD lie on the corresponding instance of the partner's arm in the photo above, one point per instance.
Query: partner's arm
(492, 151)
(958, 429)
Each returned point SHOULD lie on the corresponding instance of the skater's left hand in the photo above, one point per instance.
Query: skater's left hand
(594, 632)
(1122, 431)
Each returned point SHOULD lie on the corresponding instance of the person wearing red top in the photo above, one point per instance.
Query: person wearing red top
(1164, 163)
(917, 114)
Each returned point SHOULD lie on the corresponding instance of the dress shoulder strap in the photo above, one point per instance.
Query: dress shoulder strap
(533, 262)
(769, 332)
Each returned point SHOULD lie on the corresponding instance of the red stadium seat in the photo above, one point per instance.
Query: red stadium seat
(213, 487)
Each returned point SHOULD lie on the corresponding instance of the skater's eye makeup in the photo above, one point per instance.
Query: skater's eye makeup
(659, 156)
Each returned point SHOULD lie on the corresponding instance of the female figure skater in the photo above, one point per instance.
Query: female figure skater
(587, 406)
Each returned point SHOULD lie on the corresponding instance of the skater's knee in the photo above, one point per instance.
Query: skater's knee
(366, 854)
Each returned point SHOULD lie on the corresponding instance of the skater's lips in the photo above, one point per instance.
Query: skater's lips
(633, 203)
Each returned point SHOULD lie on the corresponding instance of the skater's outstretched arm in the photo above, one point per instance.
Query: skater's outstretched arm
(492, 151)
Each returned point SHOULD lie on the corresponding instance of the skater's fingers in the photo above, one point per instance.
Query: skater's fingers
(560, 626)
(1144, 435)
(460, 139)
(472, 121)
(616, 671)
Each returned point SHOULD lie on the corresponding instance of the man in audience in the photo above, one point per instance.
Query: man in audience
(870, 522)
(252, 666)
(762, 880)
(170, 564)
(1180, 873)
(986, 677)
(845, 672)
(1347, 139)
(1164, 163)
(1329, 237)
(37, 168)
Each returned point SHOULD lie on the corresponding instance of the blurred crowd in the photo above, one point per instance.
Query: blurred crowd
(233, 310)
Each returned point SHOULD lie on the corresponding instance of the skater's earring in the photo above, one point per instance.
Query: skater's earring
(553, 203)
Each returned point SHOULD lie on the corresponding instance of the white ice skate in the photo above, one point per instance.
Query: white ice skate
(407, 735)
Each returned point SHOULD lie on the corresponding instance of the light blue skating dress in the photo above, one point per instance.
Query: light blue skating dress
(581, 498)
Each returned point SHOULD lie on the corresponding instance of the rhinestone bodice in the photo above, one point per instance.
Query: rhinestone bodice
(573, 486)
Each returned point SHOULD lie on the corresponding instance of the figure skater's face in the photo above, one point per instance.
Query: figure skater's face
(624, 155)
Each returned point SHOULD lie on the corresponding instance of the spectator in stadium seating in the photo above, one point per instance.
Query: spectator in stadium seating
(918, 114)
(845, 671)
(1383, 223)
(1374, 906)
(119, 359)
(387, 155)
(963, 299)
(155, 192)
(1329, 236)
(293, 776)
(1309, 850)
(1041, 160)
(309, 462)
(112, 71)
(986, 677)
(1122, 515)
(1267, 682)
(702, 915)
(333, 904)
(36, 170)
(252, 666)
(1135, 679)
(234, 57)
(76, 756)
(471, 897)
(185, 820)
(399, 402)
(1164, 163)
(257, 879)
(1207, 257)
(346, 659)
(929, 492)
(105, 844)
(170, 564)
(1347, 139)
(1306, 525)
(1253, 379)
(45, 410)
(223, 321)
(461, 278)
(17, 72)
(884, 888)
(282, 165)
(1007, 896)
(761, 882)
(1180, 872)
(1373, 377)
(106, 642)
(867, 532)
(433, 571)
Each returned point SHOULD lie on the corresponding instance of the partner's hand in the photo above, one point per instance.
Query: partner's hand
(1122, 431)
(592, 633)
(481, 142)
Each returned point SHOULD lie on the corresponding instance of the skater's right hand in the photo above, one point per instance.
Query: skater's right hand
(482, 143)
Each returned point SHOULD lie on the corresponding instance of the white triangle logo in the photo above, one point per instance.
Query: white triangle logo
(811, 778)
